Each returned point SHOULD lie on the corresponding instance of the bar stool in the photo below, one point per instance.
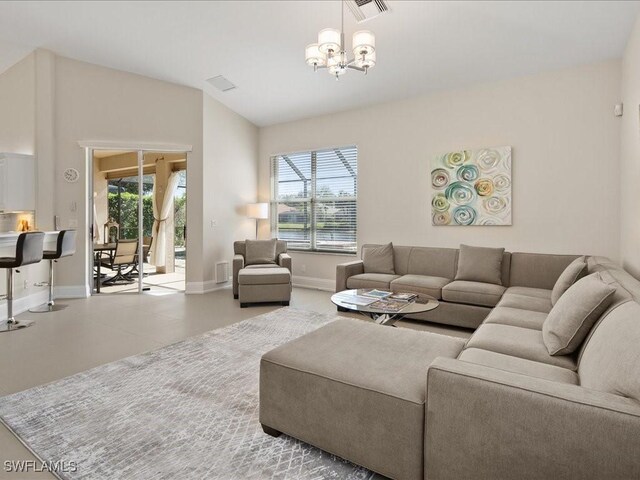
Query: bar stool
(28, 251)
(65, 247)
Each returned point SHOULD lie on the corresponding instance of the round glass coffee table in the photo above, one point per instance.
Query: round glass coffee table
(379, 311)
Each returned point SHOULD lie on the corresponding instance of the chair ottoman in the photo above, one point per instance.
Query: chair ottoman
(260, 285)
(355, 389)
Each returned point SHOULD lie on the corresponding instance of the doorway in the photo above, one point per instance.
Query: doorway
(139, 202)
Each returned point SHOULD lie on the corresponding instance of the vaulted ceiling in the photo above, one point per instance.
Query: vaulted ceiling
(259, 45)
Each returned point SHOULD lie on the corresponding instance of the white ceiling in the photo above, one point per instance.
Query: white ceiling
(259, 45)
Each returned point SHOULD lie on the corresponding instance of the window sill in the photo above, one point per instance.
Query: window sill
(314, 252)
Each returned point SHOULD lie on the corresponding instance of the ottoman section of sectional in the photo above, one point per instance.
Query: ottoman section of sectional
(355, 389)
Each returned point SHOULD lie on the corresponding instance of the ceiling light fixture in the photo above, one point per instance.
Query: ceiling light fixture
(330, 52)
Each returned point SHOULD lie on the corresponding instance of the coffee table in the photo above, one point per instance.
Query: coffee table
(347, 300)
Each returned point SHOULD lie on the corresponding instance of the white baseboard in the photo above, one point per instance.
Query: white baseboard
(22, 304)
(197, 288)
(71, 291)
(325, 284)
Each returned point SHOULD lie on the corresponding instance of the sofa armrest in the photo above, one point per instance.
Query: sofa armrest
(346, 270)
(284, 260)
(482, 422)
(238, 264)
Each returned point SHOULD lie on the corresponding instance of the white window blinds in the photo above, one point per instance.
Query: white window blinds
(313, 199)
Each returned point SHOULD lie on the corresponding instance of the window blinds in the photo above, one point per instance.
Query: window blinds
(314, 199)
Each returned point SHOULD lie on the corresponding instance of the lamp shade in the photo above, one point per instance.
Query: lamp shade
(259, 211)
(329, 39)
(313, 55)
(364, 42)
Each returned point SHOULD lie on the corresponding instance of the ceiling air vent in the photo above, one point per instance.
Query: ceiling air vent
(221, 83)
(365, 10)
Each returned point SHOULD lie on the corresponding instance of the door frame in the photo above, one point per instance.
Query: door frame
(140, 148)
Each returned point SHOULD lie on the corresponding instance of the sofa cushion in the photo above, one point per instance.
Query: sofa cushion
(575, 313)
(473, 293)
(260, 251)
(518, 342)
(436, 262)
(371, 280)
(526, 302)
(264, 276)
(519, 365)
(610, 361)
(537, 270)
(574, 272)
(480, 264)
(516, 317)
(378, 259)
(420, 284)
(530, 292)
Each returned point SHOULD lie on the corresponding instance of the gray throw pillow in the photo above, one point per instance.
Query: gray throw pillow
(574, 272)
(571, 318)
(480, 264)
(260, 251)
(378, 259)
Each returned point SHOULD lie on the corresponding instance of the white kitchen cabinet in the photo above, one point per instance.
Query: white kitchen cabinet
(17, 182)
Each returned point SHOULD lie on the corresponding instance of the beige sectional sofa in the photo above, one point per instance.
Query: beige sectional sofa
(431, 272)
(414, 405)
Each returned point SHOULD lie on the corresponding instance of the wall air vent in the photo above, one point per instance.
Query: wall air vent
(221, 83)
(222, 272)
(365, 10)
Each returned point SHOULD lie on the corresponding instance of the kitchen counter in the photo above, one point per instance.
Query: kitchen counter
(8, 239)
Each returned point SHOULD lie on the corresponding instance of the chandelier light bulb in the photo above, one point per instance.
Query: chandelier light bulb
(364, 43)
(329, 40)
(366, 61)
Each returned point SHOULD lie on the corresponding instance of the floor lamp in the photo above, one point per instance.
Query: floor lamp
(258, 211)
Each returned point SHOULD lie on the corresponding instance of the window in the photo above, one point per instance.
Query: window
(313, 199)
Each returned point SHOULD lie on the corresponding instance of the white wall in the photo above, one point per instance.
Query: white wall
(17, 107)
(630, 155)
(229, 182)
(566, 171)
(97, 103)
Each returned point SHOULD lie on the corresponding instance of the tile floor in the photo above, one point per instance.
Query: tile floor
(104, 328)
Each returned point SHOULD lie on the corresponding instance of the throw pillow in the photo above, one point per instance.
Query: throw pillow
(378, 259)
(571, 318)
(260, 251)
(574, 272)
(480, 264)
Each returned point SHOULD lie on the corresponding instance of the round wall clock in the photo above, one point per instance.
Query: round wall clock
(71, 175)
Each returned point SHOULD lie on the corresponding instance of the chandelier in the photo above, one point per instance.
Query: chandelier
(330, 51)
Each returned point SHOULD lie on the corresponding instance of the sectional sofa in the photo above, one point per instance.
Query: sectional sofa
(431, 272)
(413, 405)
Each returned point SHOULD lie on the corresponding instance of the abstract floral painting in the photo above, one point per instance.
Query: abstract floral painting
(472, 187)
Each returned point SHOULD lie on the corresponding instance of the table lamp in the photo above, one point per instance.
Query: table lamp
(258, 211)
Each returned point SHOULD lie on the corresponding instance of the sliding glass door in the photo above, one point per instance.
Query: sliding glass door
(138, 218)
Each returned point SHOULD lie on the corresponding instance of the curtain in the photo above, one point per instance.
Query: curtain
(159, 232)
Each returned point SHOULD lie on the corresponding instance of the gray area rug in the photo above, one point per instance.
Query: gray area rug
(188, 410)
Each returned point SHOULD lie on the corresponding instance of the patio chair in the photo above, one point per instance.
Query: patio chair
(125, 256)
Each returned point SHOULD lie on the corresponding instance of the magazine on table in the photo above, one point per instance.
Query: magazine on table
(403, 296)
(359, 300)
(389, 305)
(377, 294)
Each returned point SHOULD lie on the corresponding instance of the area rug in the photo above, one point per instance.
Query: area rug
(185, 411)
